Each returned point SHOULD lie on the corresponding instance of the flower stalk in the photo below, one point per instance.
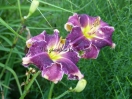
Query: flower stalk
(29, 85)
(51, 90)
(32, 9)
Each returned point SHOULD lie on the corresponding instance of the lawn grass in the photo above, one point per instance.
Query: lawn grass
(108, 77)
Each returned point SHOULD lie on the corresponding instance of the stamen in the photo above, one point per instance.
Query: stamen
(93, 27)
(97, 21)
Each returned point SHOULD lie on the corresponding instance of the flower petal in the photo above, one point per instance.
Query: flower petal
(53, 73)
(72, 21)
(81, 44)
(36, 48)
(91, 33)
(77, 40)
(84, 20)
(91, 53)
(26, 61)
(71, 55)
(70, 69)
(52, 40)
(74, 34)
(39, 37)
(104, 37)
(41, 60)
(105, 31)
(43, 52)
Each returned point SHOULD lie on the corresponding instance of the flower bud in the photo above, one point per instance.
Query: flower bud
(33, 7)
(33, 71)
(80, 85)
(30, 69)
(26, 73)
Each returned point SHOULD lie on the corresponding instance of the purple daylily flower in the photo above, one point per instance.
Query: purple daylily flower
(88, 34)
(49, 54)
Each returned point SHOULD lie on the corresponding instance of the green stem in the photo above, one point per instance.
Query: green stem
(15, 76)
(45, 18)
(42, 1)
(29, 85)
(51, 90)
(129, 81)
(9, 61)
(6, 63)
(10, 28)
(39, 88)
(2, 96)
(63, 94)
(19, 8)
(120, 87)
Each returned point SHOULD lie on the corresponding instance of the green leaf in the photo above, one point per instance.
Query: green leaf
(15, 76)
(7, 26)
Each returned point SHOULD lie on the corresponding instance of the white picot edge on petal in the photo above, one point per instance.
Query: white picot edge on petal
(99, 18)
(98, 50)
(26, 61)
(113, 46)
(29, 43)
(78, 54)
(112, 28)
(71, 48)
(58, 38)
(78, 73)
(44, 32)
(74, 14)
(46, 77)
(56, 30)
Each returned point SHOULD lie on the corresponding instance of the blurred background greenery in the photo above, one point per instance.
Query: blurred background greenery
(108, 77)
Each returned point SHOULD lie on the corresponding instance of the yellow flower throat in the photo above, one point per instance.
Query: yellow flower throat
(90, 30)
(54, 54)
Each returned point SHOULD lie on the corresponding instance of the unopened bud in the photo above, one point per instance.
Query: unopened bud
(80, 85)
(33, 71)
(27, 74)
(30, 69)
(32, 9)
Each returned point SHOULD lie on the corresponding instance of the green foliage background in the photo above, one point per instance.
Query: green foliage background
(108, 77)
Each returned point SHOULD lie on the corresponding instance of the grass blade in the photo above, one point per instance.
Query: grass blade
(15, 76)
(7, 26)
